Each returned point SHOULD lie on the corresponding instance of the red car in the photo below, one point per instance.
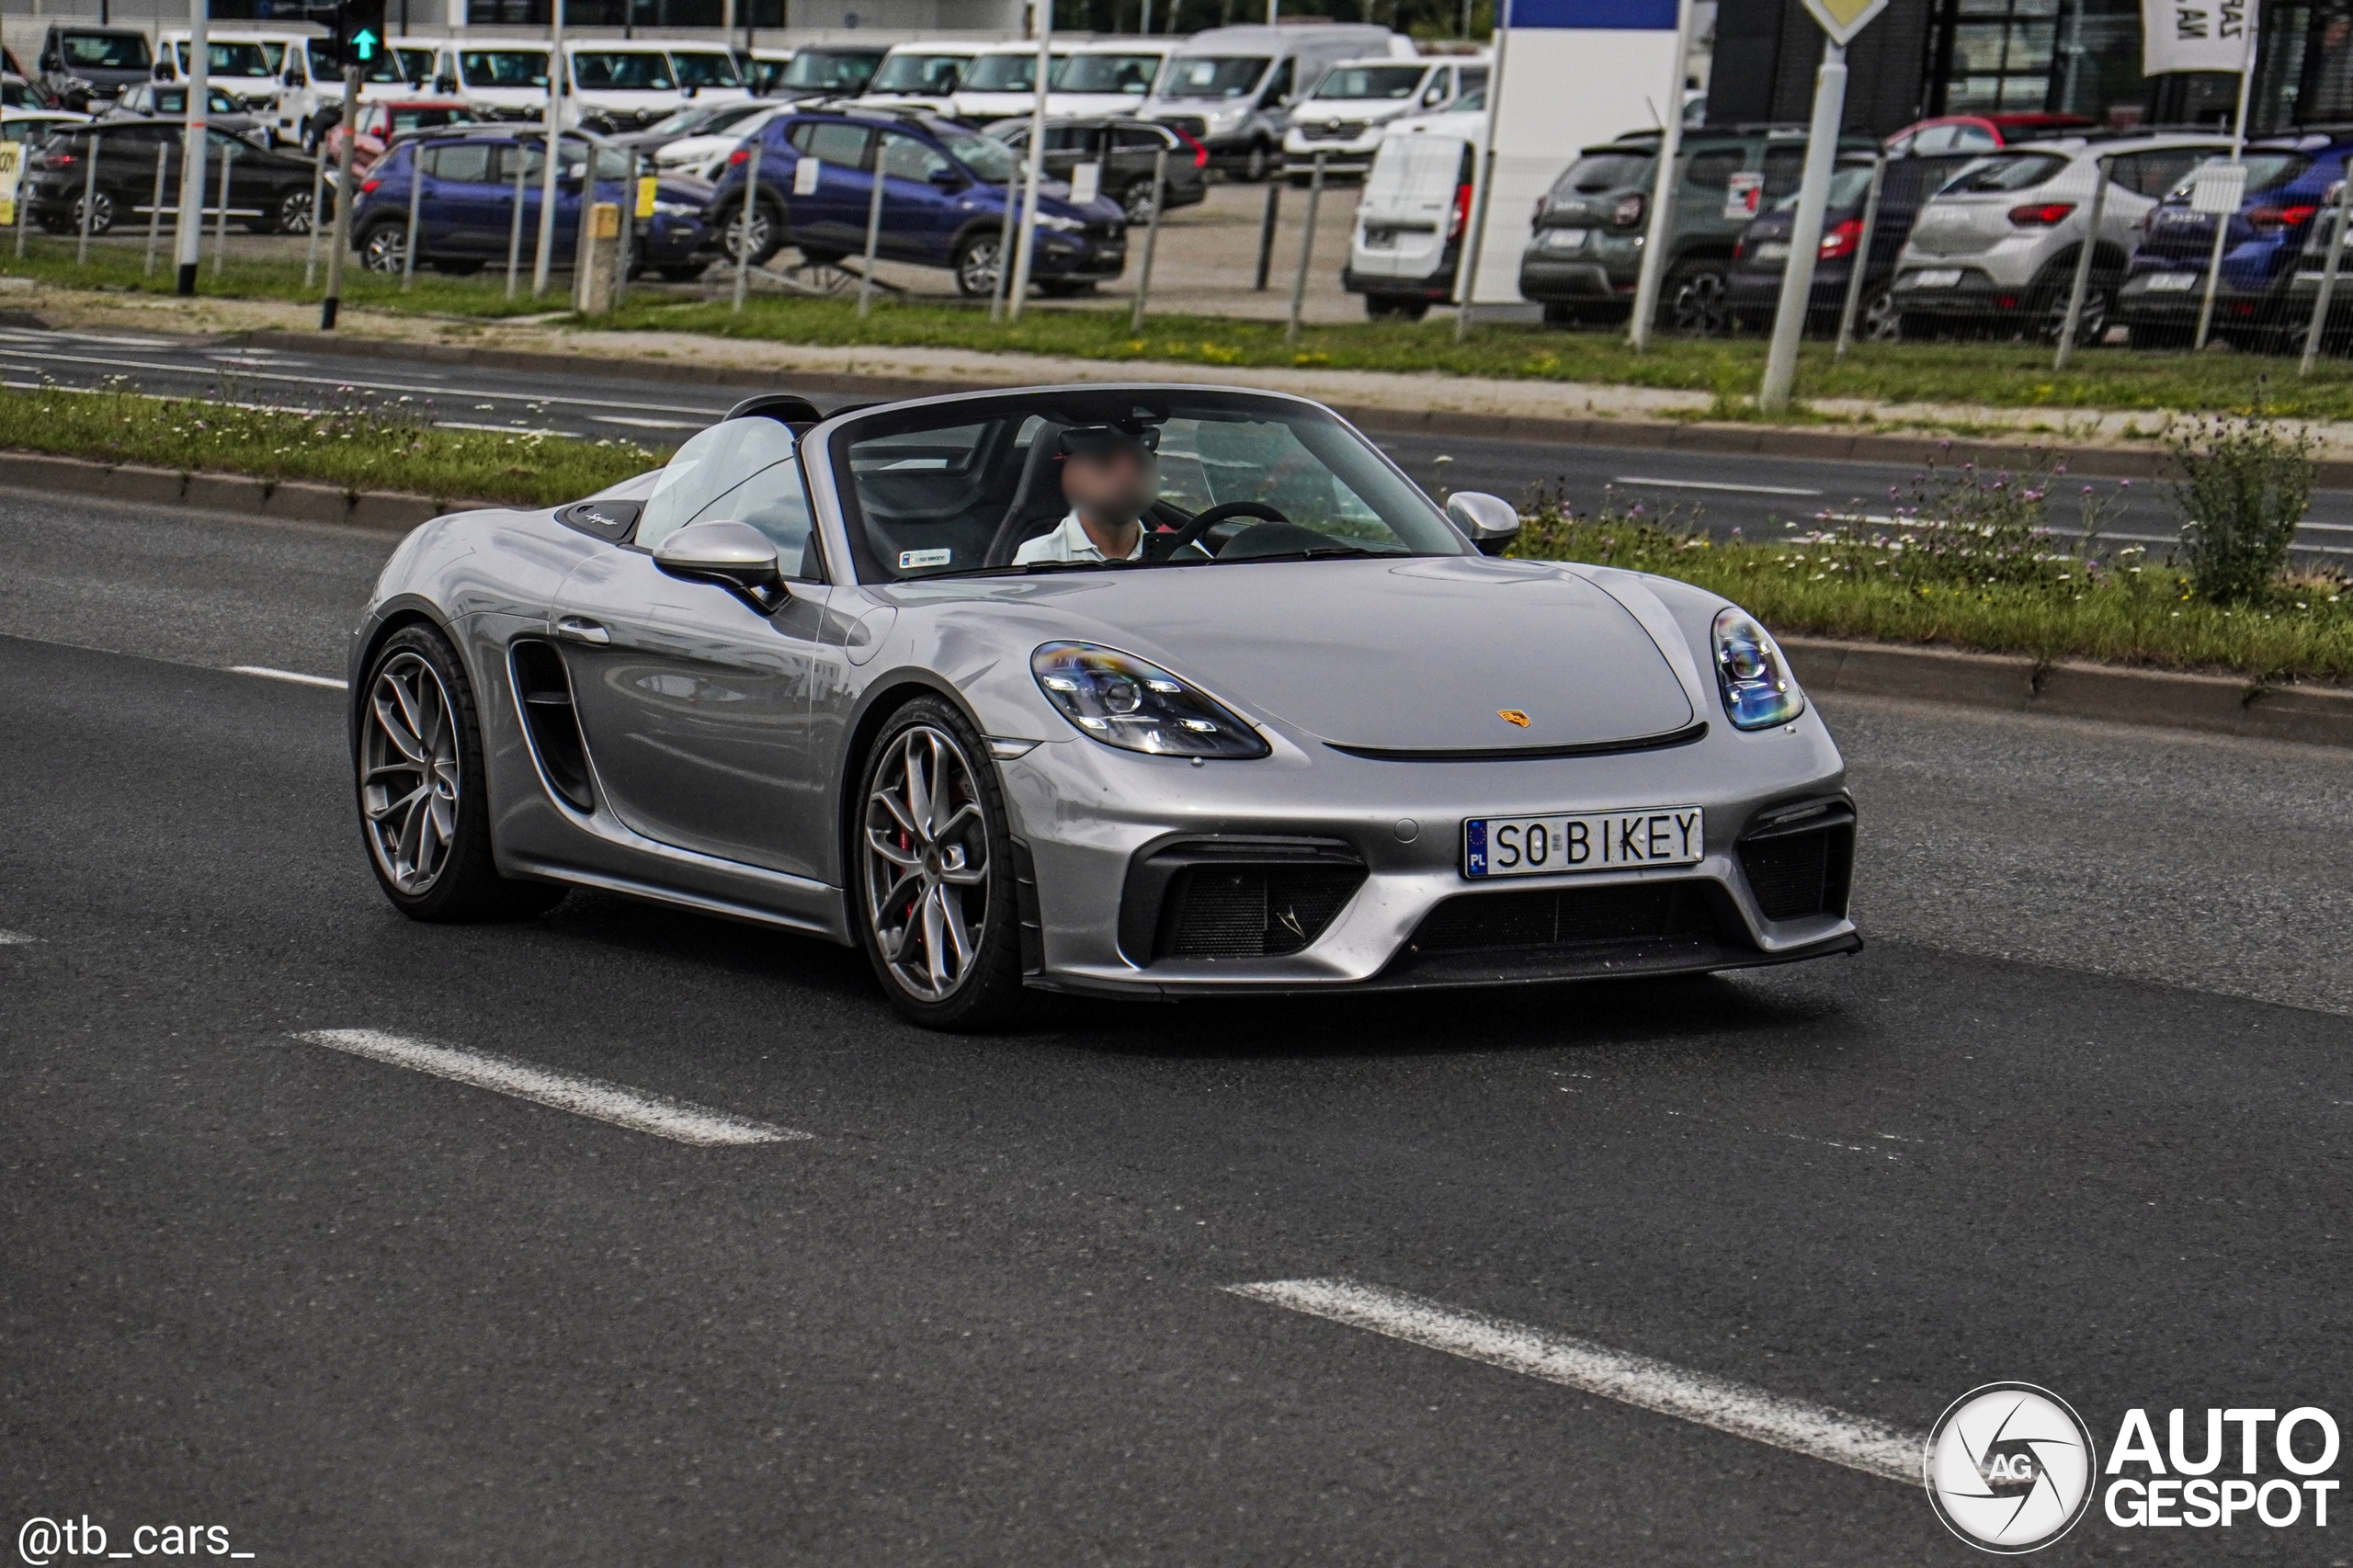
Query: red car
(1981, 132)
(382, 121)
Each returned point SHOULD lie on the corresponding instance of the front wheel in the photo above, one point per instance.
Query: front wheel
(1257, 162)
(293, 215)
(757, 235)
(425, 805)
(936, 910)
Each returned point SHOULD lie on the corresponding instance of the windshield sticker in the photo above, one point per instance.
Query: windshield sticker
(908, 558)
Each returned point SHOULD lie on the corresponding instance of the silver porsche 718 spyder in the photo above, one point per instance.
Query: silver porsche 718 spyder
(1313, 732)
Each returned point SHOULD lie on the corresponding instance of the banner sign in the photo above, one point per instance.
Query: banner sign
(12, 169)
(2195, 35)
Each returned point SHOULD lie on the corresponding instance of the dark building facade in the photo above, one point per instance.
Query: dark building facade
(1930, 57)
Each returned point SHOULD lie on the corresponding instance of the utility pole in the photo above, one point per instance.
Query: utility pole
(1026, 244)
(190, 233)
(545, 260)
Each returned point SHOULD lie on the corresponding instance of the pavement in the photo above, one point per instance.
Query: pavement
(2077, 1116)
(1722, 492)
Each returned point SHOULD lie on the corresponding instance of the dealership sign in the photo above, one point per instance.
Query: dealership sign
(2195, 35)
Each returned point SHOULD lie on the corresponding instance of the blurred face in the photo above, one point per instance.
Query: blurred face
(1110, 485)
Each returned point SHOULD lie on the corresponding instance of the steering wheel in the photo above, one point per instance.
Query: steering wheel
(1169, 544)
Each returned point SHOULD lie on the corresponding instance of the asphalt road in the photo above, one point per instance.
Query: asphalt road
(1720, 492)
(2079, 1115)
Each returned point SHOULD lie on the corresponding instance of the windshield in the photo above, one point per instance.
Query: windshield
(1381, 82)
(693, 118)
(951, 490)
(1007, 73)
(705, 70)
(1128, 73)
(1599, 172)
(503, 67)
(2263, 170)
(987, 157)
(2011, 171)
(622, 72)
(230, 59)
(1848, 184)
(106, 52)
(399, 65)
(1214, 77)
(935, 73)
(416, 65)
(428, 119)
(835, 71)
(738, 470)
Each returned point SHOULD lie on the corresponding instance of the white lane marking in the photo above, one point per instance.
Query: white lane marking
(1705, 484)
(1744, 1411)
(15, 939)
(501, 429)
(299, 679)
(617, 1103)
(649, 423)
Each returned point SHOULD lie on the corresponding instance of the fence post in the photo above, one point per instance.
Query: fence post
(155, 210)
(515, 220)
(220, 229)
(1306, 250)
(873, 231)
(584, 230)
(751, 206)
(318, 200)
(89, 199)
(332, 306)
(625, 255)
(416, 212)
(23, 206)
(1473, 244)
(1004, 256)
(1151, 238)
(2073, 321)
(1267, 230)
(2328, 273)
(1862, 264)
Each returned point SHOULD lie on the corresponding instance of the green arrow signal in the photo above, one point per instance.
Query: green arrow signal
(363, 43)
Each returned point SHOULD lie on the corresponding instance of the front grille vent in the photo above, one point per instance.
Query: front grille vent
(1567, 917)
(1235, 898)
(548, 719)
(1804, 869)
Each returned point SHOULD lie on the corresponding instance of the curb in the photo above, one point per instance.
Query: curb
(291, 500)
(2070, 688)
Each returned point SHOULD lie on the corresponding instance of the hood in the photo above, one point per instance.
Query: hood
(1413, 655)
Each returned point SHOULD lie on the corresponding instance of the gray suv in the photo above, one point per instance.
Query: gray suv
(1586, 251)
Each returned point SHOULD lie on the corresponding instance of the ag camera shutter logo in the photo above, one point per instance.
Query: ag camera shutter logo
(2009, 1468)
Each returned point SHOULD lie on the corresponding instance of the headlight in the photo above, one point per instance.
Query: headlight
(1064, 225)
(1123, 701)
(1758, 688)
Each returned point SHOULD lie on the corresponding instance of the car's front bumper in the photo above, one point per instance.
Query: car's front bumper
(1112, 915)
(1561, 281)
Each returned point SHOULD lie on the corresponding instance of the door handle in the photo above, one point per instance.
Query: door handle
(580, 629)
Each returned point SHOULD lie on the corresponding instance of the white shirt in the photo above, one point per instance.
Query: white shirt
(1069, 541)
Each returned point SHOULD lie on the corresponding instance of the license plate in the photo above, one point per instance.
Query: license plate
(1936, 277)
(1565, 239)
(2172, 282)
(1585, 841)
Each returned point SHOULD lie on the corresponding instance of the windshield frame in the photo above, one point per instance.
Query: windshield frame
(1172, 88)
(492, 81)
(1411, 72)
(825, 452)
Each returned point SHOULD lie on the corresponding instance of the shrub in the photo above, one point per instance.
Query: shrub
(2244, 485)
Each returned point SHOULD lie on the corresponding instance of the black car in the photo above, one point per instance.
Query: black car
(270, 192)
(1760, 256)
(81, 64)
(1125, 148)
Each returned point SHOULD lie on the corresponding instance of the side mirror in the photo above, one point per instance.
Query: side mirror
(735, 556)
(1489, 522)
(947, 179)
(445, 84)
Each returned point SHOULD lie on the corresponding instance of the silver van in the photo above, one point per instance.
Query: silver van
(1232, 89)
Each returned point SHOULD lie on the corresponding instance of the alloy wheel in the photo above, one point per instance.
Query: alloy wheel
(739, 234)
(294, 213)
(1882, 321)
(384, 249)
(1138, 204)
(927, 863)
(1700, 308)
(409, 772)
(976, 269)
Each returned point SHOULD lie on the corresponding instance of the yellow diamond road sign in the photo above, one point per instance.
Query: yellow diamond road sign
(1842, 19)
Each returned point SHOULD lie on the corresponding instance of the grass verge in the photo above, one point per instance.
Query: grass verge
(359, 444)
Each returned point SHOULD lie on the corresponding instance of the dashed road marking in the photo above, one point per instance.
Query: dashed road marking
(13, 938)
(1713, 484)
(636, 1110)
(296, 676)
(1743, 1410)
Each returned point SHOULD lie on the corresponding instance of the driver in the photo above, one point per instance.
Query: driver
(1110, 477)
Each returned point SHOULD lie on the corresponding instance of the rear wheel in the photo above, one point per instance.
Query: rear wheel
(293, 214)
(974, 264)
(1136, 202)
(936, 910)
(1698, 301)
(384, 246)
(1878, 320)
(101, 213)
(425, 807)
(1257, 162)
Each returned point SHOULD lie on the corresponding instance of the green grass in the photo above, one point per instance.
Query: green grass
(2011, 375)
(2121, 609)
(360, 444)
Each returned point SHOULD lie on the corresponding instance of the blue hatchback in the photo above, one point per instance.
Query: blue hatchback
(466, 210)
(943, 200)
(2289, 180)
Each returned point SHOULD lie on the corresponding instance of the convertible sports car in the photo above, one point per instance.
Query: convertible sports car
(1316, 735)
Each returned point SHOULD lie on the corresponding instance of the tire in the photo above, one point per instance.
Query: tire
(1878, 320)
(293, 214)
(1697, 302)
(974, 264)
(1136, 202)
(1257, 162)
(101, 213)
(384, 246)
(768, 231)
(424, 807)
(927, 804)
(1404, 307)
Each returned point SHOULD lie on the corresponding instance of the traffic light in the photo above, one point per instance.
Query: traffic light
(358, 33)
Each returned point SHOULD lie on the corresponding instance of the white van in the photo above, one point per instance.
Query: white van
(1232, 89)
(1410, 223)
(1003, 82)
(920, 76)
(501, 81)
(242, 63)
(1106, 76)
(1343, 119)
(309, 93)
(622, 86)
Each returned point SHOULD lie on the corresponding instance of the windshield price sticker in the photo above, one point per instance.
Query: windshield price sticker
(1591, 841)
